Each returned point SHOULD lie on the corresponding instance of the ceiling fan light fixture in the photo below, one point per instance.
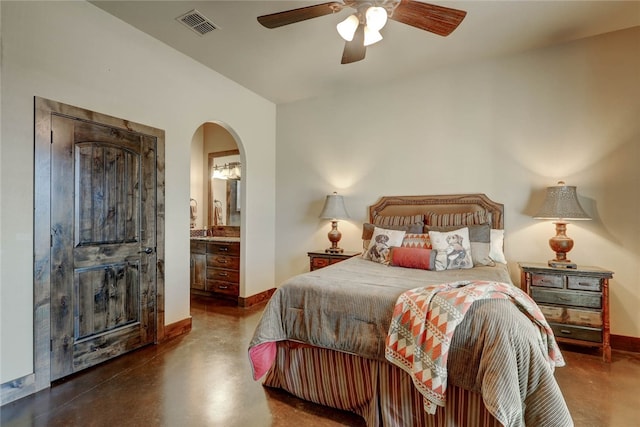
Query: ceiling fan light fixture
(347, 28)
(370, 17)
(376, 17)
(371, 36)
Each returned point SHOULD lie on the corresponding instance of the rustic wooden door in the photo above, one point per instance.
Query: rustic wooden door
(103, 243)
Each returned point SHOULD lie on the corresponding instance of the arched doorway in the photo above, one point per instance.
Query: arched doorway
(216, 178)
(216, 200)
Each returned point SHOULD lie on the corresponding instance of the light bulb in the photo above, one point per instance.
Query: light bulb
(347, 28)
(376, 17)
(371, 36)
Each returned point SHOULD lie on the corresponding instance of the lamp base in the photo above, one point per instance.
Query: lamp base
(561, 264)
(334, 237)
(561, 245)
(334, 250)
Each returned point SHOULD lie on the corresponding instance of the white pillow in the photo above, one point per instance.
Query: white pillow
(381, 242)
(453, 249)
(497, 243)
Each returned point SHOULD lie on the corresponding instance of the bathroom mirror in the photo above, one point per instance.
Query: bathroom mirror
(224, 189)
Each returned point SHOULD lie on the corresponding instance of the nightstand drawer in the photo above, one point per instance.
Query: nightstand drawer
(321, 259)
(547, 280)
(581, 299)
(552, 314)
(584, 317)
(572, 316)
(319, 263)
(577, 333)
(584, 283)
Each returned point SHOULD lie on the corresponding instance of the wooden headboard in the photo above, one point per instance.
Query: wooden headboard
(412, 205)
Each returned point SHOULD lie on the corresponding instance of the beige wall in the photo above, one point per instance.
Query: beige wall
(75, 53)
(507, 127)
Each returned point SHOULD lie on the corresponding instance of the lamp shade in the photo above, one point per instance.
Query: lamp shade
(561, 202)
(376, 17)
(334, 208)
(371, 36)
(347, 28)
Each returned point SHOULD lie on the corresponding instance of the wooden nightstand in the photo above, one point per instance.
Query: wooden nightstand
(574, 301)
(320, 259)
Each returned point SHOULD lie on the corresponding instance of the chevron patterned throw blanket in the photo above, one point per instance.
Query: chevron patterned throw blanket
(425, 319)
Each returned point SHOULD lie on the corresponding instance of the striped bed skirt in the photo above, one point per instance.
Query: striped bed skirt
(381, 393)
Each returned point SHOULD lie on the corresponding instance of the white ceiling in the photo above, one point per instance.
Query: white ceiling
(302, 60)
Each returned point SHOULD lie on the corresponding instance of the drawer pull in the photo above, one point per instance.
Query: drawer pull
(223, 274)
(223, 248)
(222, 261)
(223, 287)
(584, 318)
(565, 331)
(564, 299)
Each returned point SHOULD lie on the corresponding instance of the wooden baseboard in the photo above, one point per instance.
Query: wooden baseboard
(255, 299)
(624, 343)
(176, 329)
(17, 389)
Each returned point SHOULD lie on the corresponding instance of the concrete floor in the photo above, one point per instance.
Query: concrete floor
(204, 379)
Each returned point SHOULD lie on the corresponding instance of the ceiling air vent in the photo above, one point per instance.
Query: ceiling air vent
(197, 22)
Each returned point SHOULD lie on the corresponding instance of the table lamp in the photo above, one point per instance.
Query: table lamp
(561, 204)
(334, 210)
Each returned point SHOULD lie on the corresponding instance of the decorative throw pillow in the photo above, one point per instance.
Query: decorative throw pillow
(386, 221)
(416, 240)
(458, 218)
(367, 231)
(453, 249)
(412, 258)
(497, 243)
(480, 239)
(381, 242)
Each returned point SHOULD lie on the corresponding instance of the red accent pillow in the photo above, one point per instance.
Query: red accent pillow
(412, 258)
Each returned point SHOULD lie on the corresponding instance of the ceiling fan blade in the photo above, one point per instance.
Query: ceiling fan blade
(355, 50)
(292, 16)
(429, 17)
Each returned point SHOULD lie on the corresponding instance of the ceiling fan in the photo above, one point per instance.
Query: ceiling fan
(362, 28)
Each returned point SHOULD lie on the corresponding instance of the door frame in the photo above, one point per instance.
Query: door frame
(43, 109)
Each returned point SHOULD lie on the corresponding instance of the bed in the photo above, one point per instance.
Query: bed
(325, 335)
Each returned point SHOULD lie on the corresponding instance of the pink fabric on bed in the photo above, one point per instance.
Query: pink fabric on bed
(262, 357)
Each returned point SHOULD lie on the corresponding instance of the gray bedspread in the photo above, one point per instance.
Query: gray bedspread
(348, 306)
(495, 351)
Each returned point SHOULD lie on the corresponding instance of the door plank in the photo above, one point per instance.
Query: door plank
(84, 206)
(62, 171)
